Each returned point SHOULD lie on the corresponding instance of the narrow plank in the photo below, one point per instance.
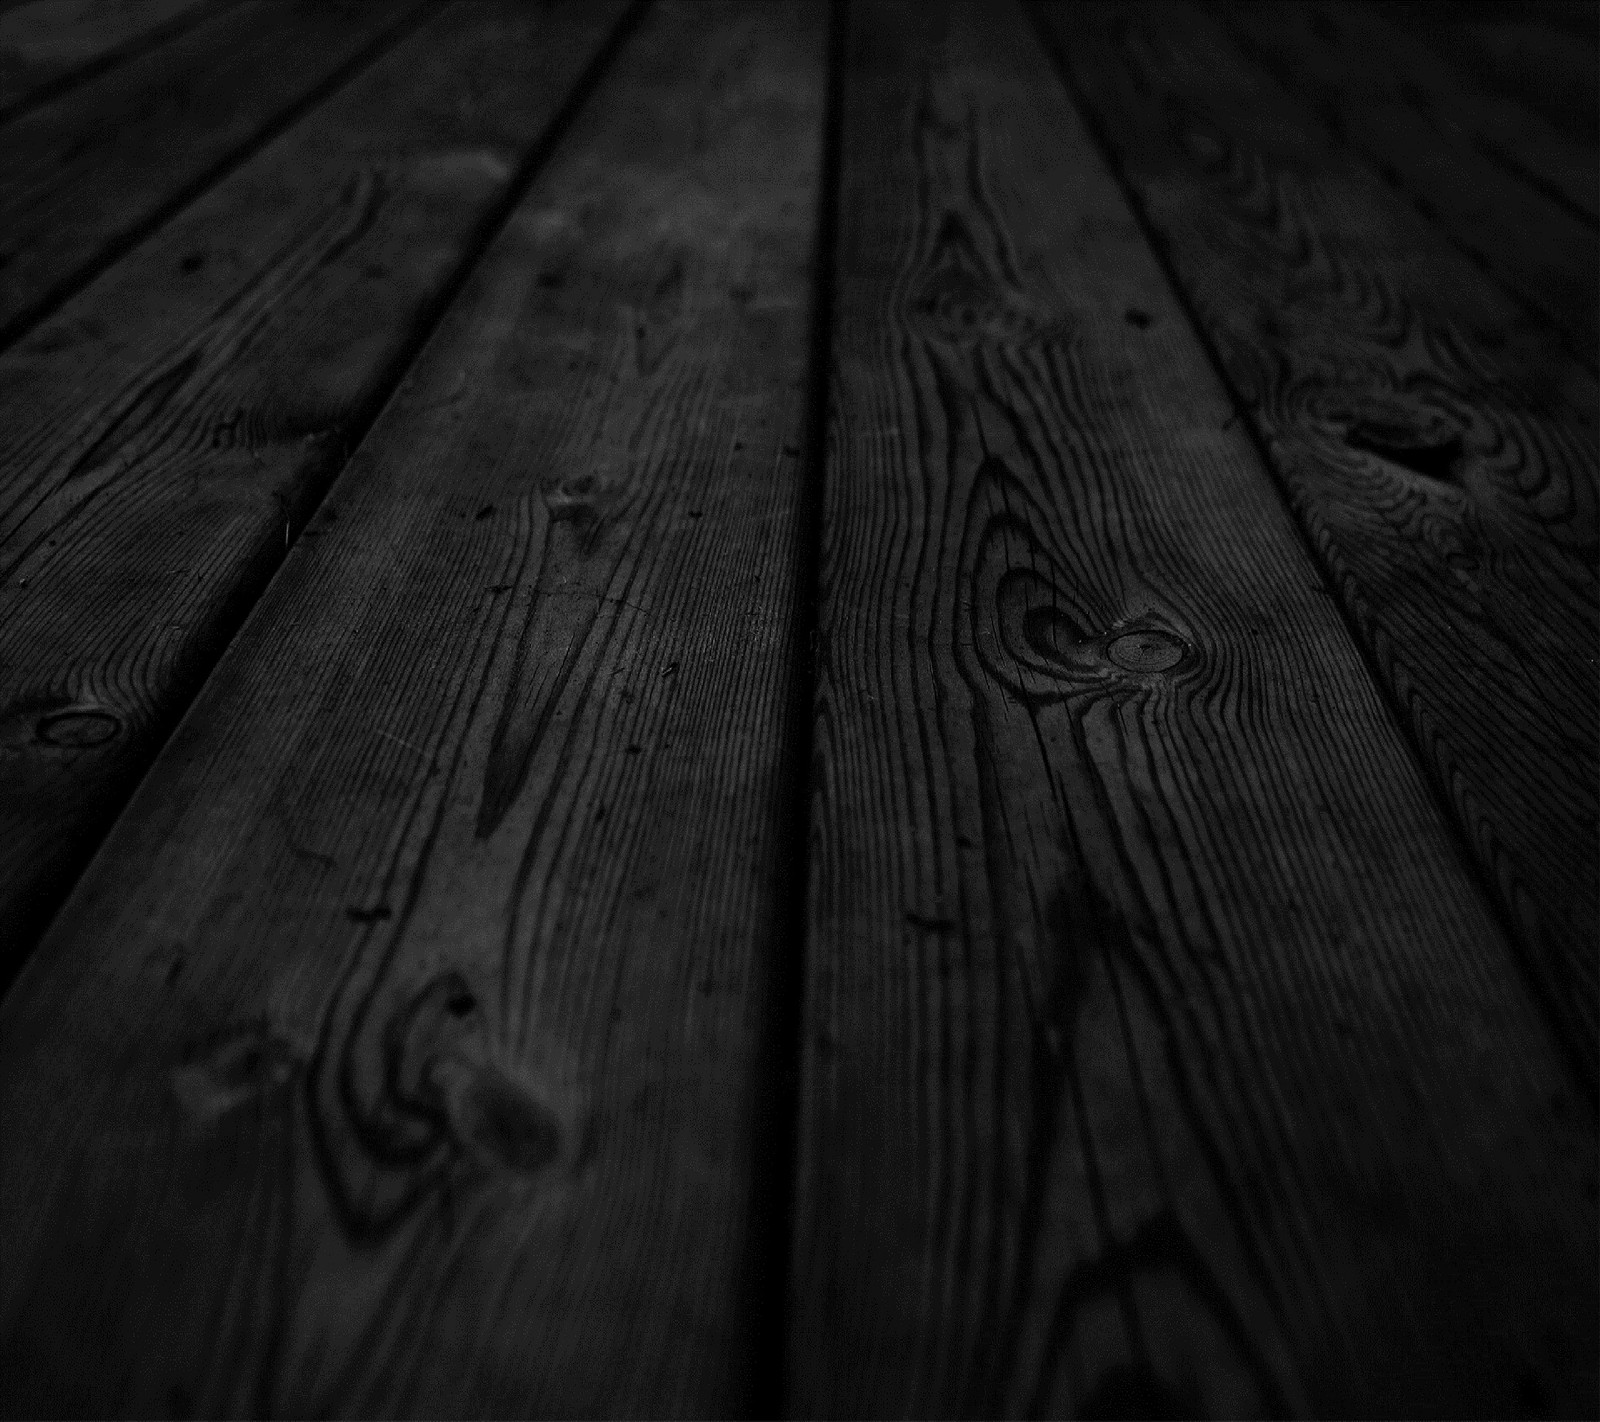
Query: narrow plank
(46, 46)
(1161, 1057)
(169, 428)
(1544, 56)
(401, 1053)
(1438, 447)
(87, 175)
(1376, 90)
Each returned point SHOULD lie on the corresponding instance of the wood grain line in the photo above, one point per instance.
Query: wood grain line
(1162, 1057)
(88, 177)
(420, 989)
(165, 435)
(1439, 450)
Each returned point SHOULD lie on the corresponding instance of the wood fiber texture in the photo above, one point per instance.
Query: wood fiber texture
(164, 434)
(1424, 128)
(1437, 442)
(83, 177)
(1161, 1056)
(402, 1052)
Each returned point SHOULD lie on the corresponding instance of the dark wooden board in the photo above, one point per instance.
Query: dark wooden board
(1544, 56)
(402, 1051)
(1162, 1057)
(85, 176)
(1414, 120)
(47, 46)
(167, 430)
(1438, 446)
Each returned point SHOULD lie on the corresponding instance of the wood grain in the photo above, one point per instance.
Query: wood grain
(167, 431)
(1541, 55)
(1413, 119)
(399, 1054)
(48, 46)
(1161, 1057)
(1439, 448)
(84, 177)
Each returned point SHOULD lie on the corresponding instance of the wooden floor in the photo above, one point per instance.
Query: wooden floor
(752, 709)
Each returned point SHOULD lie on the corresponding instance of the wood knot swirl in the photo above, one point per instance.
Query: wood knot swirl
(414, 1102)
(961, 298)
(78, 728)
(1034, 631)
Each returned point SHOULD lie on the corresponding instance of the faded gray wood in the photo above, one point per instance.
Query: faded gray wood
(1161, 1056)
(86, 175)
(46, 46)
(164, 434)
(1438, 446)
(402, 1051)
(1415, 121)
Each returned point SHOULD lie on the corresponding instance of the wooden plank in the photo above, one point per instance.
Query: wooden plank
(168, 429)
(1413, 119)
(401, 1053)
(1544, 56)
(1161, 1057)
(47, 46)
(1468, 89)
(88, 175)
(1439, 449)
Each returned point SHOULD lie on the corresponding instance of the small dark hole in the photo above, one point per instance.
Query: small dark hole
(486, 511)
(1433, 459)
(376, 914)
(194, 261)
(1135, 317)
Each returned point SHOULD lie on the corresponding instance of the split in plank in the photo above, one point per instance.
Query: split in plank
(48, 46)
(1161, 1056)
(90, 173)
(399, 1054)
(1438, 446)
(165, 433)
(1376, 88)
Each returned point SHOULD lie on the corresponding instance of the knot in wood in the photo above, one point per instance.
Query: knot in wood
(78, 728)
(1146, 650)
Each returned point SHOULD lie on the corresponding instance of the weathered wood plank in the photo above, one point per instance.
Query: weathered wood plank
(1161, 1057)
(1439, 448)
(163, 434)
(47, 46)
(85, 176)
(1413, 119)
(1545, 56)
(398, 1054)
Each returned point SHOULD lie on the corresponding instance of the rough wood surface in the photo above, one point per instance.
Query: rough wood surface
(1439, 448)
(1544, 56)
(1161, 1056)
(163, 435)
(401, 1052)
(83, 177)
(1386, 95)
(46, 46)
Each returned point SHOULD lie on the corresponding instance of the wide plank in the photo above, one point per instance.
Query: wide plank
(1438, 445)
(47, 46)
(406, 1049)
(1386, 95)
(1543, 54)
(166, 432)
(86, 176)
(1161, 1057)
